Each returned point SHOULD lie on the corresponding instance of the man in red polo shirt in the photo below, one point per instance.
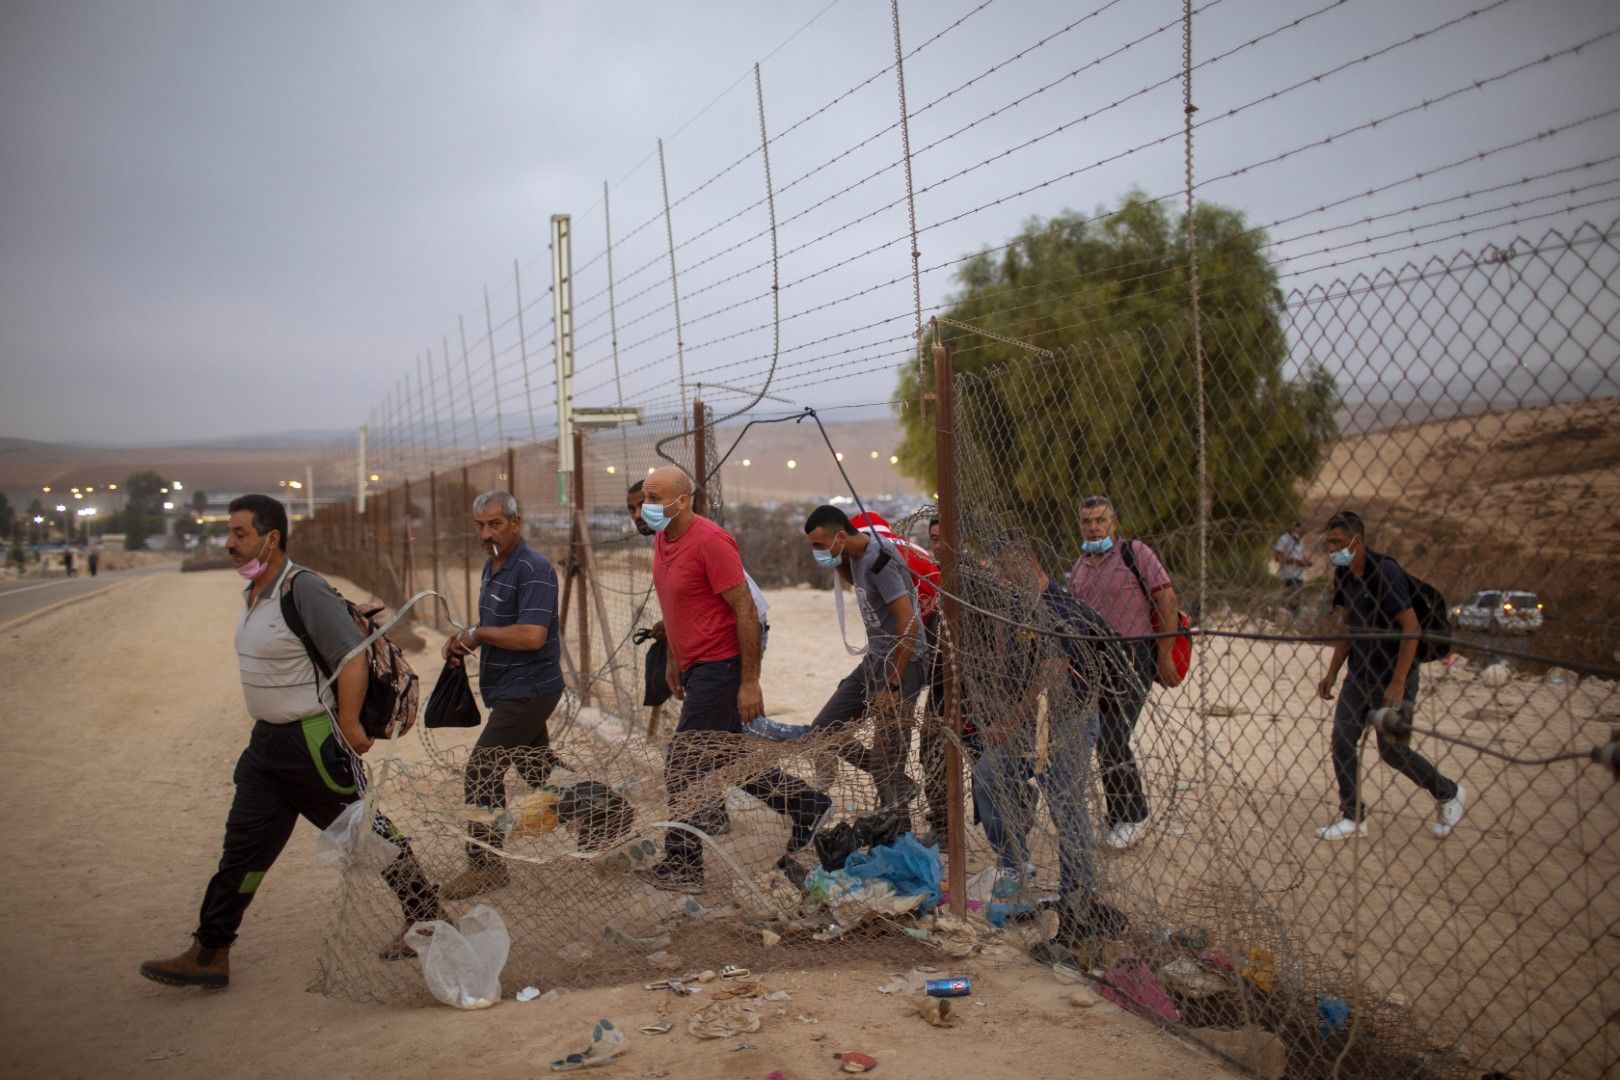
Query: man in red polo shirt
(714, 650)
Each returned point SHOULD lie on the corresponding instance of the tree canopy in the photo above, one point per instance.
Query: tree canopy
(1115, 412)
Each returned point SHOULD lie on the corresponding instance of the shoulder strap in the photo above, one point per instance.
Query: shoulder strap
(1128, 557)
(295, 623)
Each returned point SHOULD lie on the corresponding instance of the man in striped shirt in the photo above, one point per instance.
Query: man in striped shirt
(519, 678)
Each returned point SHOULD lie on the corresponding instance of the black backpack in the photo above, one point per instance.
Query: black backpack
(391, 690)
(1434, 620)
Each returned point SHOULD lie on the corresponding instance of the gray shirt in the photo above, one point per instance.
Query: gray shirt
(878, 582)
(278, 678)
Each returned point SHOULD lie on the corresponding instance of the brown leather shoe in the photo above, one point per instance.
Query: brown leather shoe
(479, 877)
(197, 966)
(398, 949)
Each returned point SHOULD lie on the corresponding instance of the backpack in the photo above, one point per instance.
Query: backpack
(1181, 650)
(1434, 620)
(921, 565)
(389, 708)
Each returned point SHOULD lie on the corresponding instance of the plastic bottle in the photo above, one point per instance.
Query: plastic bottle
(776, 730)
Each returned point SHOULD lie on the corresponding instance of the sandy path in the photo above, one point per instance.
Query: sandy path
(121, 719)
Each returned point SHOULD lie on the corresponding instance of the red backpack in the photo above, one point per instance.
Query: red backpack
(924, 570)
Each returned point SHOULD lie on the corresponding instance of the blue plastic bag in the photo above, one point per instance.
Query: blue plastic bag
(912, 870)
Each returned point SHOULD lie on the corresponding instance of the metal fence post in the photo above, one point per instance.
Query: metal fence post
(466, 547)
(945, 470)
(700, 458)
(581, 567)
(433, 537)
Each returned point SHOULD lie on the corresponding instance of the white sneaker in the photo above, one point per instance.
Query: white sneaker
(1342, 829)
(1126, 834)
(1448, 813)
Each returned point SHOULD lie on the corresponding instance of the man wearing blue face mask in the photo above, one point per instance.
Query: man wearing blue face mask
(1382, 672)
(1126, 582)
(893, 670)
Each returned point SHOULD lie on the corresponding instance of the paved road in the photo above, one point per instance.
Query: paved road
(19, 598)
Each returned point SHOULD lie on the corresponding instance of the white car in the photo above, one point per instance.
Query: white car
(1499, 611)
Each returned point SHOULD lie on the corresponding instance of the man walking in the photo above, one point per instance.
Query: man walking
(1066, 650)
(1126, 582)
(894, 667)
(714, 652)
(519, 678)
(1380, 645)
(1289, 555)
(294, 764)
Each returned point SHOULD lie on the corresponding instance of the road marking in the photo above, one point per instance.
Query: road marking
(19, 620)
(31, 588)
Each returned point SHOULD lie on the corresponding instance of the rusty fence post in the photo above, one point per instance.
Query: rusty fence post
(950, 615)
(700, 460)
(581, 567)
(466, 546)
(433, 538)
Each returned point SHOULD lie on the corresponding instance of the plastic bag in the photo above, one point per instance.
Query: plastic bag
(462, 964)
(352, 842)
(451, 704)
(912, 869)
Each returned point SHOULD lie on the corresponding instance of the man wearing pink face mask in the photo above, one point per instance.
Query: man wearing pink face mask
(294, 765)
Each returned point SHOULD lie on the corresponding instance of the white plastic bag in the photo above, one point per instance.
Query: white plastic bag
(462, 964)
(351, 842)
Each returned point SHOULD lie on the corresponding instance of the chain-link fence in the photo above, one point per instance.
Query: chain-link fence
(1466, 410)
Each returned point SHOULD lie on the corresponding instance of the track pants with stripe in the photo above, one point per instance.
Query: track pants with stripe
(290, 771)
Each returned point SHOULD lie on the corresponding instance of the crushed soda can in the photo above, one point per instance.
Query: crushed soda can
(948, 988)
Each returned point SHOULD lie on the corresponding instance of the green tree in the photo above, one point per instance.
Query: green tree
(8, 517)
(199, 501)
(143, 508)
(1116, 412)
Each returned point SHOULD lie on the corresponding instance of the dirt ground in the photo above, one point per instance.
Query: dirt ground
(122, 719)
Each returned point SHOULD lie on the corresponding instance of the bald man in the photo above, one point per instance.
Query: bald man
(712, 628)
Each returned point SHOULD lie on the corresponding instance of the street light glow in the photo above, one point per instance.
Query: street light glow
(112, 487)
(612, 469)
(78, 494)
(373, 478)
(46, 489)
(839, 455)
(39, 519)
(60, 509)
(874, 455)
(792, 464)
(168, 506)
(894, 459)
(176, 485)
(747, 462)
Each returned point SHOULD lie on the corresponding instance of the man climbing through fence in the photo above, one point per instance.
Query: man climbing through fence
(519, 678)
(1126, 582)
(894, 664)
(1379, 655)
(294, 765)
(1061, 663)
(714, 652)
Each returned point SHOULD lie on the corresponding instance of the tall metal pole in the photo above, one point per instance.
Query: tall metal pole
(450, 402)
(674, 283)
(582, 618)
(433, 532)
(309, 490)
(945, 469)
(494, 377)
(523, 348)
(562, 316)
(360, 478)
(466, 548)
(472, 398)
(700, 460)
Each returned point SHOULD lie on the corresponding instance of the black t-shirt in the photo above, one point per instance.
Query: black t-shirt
(1374, 601)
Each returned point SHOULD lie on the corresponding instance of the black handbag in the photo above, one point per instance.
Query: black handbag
(452, 704)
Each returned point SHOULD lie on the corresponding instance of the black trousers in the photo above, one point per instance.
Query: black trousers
(290, 771)
(1350, 720)
(885, 759)
(708, 738)
(1118, 713)
(514, 735)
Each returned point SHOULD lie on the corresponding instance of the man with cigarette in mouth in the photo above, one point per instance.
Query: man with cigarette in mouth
(519, 678)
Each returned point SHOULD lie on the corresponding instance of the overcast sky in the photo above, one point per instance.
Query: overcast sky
(231, 219)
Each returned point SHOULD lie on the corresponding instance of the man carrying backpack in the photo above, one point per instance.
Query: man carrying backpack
(294, 764)
(1126, 582)
(1376, 597)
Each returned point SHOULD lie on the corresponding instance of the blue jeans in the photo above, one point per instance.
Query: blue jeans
(1004, 771)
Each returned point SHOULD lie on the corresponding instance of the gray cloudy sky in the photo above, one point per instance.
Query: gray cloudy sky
(228, 219)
